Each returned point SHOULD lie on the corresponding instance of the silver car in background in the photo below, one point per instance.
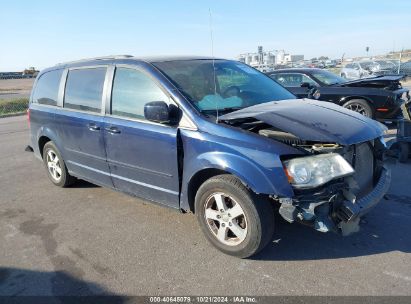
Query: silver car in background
(359, 69)
(363, 69)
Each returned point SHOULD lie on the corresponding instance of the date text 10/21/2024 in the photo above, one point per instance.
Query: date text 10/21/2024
(203, 299)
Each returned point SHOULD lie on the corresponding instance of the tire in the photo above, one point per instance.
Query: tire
(55, 166)
(256, 223)
(403, 152)
(360, 106)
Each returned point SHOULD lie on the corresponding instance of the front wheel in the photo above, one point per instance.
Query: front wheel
(234, 220)
(360, 106)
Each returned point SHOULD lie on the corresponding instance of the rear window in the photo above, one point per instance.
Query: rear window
(47, 88)
(84, 89)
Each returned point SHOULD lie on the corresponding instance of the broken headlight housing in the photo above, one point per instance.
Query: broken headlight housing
(313, 171)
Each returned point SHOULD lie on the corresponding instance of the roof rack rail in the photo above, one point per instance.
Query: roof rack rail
(111, 57)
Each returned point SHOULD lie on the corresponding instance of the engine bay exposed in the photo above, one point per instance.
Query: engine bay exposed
(332, 206)
(264, 129)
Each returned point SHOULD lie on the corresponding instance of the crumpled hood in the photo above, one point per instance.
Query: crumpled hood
(313, 120)
(378, 82)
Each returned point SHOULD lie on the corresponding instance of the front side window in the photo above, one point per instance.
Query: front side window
(293, 79)
(223, 85)
(84, 89)
(47, 88)
(132, 89)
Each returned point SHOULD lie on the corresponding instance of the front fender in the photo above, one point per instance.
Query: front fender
(249, 173)
(261, 180)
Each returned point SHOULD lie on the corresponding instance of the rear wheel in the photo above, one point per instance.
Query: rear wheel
(56, 168)
(234, 220)
(360, 106)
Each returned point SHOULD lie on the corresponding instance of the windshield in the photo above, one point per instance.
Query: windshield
(327, 77)
(233, 86)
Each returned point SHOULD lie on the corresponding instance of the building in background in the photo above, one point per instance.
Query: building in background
(267, 60)
(293, 58)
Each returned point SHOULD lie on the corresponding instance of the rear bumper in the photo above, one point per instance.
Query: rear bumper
(349, 211)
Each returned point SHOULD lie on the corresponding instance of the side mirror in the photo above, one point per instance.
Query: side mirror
(314, 93)
(306, 85)
(159, 111)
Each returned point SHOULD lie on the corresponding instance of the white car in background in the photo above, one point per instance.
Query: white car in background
(360, 69)
(363, 69)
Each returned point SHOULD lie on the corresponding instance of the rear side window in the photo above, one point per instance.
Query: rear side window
(132, 89)
(47, 88)
(84, 89)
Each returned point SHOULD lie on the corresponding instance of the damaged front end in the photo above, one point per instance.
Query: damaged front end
(338, 204)
(341, 174)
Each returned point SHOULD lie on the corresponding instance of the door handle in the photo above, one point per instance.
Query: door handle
(113, 130)
(93, 127)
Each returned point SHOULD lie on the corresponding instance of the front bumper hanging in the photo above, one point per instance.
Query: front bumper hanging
(350, 212)
(331, 211)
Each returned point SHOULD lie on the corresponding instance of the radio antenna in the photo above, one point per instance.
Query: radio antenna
(213, 59)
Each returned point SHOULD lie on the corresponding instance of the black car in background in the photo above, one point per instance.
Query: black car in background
(377, 97)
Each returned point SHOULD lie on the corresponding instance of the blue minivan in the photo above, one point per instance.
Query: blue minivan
(209, 136)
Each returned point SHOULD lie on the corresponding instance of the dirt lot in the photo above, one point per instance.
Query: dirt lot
(16, 85)
(15, 88)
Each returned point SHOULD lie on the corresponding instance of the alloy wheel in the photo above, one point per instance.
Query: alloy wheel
(226, 219)
(53, 165)
(356, 107)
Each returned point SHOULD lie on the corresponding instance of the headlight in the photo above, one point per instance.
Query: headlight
(313, 171)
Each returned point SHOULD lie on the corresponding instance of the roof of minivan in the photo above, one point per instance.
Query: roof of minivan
(149, 59)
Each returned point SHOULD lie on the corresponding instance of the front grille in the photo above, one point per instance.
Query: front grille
(361, 157)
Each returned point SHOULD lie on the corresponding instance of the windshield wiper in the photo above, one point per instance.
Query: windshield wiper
(222, 110)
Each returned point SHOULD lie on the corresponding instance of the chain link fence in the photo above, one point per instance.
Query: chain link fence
(13, 106)
(14, 95)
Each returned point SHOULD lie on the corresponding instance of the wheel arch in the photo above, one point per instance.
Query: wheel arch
(345, 99)
(42, 142)
(44, 135)
(198, 179)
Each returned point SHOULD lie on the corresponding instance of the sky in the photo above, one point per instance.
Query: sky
(42, 33)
